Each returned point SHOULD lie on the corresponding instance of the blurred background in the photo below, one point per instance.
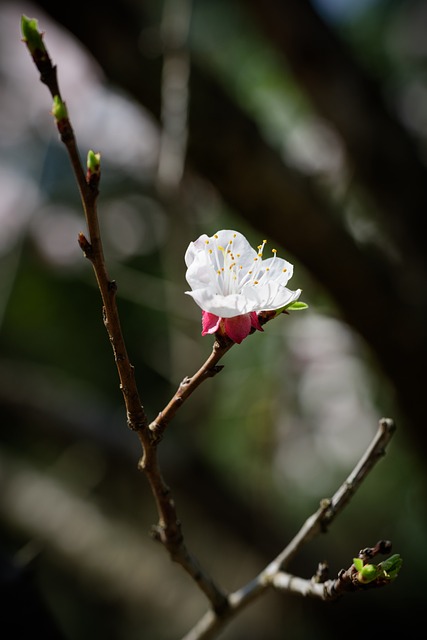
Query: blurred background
(300, 122)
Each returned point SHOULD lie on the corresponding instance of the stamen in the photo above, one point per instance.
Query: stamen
(230, 276)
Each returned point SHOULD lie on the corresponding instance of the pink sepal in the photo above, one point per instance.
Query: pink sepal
(236, 328)
(210, 323)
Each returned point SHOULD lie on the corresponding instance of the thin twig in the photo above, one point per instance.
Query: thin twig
(351, 579)
(329, 508)
(273, 575)
(209, 369)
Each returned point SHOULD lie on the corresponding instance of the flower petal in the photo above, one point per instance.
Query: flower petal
(229, 306)
(276, 269)
(270, 296)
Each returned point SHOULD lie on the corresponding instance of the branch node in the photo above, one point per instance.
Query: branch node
(322, 572)
(388, 425)
(112, 287)
(325, 503)
(222, 606)
(156, 533)
(382, 547)
(214, 370)
(85, 246)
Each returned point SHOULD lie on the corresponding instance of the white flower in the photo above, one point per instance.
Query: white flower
(229, 278)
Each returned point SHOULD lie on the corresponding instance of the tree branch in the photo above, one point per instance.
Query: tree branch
(168, 530)
(330, 508)
(274, 576)
(188, 385)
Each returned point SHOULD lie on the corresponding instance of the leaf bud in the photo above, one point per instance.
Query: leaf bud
(32, 36)
(59, 109)
(93, 162)
(368, 573)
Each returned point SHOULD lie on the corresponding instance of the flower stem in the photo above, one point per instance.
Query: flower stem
(209, 369)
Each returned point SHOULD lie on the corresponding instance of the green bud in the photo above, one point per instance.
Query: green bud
(368, 573)
(385, 571)
(59, 109)
(358, 563)
(31, 35)
(93, 162)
